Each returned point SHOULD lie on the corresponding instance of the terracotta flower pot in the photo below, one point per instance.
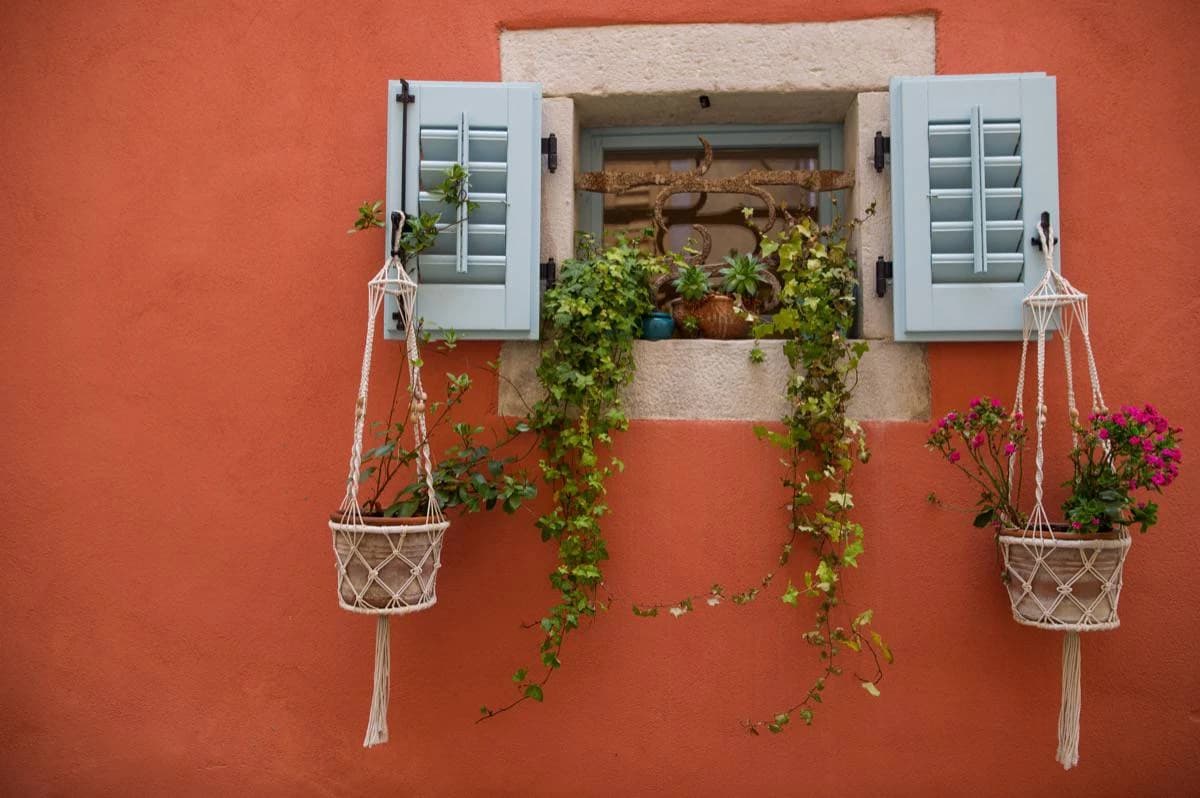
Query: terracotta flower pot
(681, 311)
(1058, 580)
(718, 319)
(715, 317)
(387, 565)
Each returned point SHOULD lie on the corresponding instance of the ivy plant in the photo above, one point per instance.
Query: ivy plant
(592, 318)
(469, 474)
(821, 445)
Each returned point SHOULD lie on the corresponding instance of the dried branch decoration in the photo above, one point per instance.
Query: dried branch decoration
(695, 182)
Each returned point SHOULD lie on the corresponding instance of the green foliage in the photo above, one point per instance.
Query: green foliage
(817, 310)
(692, 283)
(744, 275)
(453, 188)
(821, 447)
(421, 231)
(994, 442)
(593, 316)
(1115, 455)
(368, 217)
(468, 474)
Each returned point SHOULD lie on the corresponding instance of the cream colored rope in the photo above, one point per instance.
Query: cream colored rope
(1061, 584)
(388, 570)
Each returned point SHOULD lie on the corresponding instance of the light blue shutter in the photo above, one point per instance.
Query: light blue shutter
(974, 164)
(481, 277)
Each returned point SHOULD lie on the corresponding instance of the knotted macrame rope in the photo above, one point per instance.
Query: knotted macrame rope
(1038, 558)
(414, 547)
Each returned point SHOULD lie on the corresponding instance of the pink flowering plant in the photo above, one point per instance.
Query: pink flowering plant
(986, 444)
(1116, 455)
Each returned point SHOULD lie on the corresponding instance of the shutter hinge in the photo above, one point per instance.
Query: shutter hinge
(549, 272)
(883, 149)
(883, 273)
(405, 96)
(550, 150)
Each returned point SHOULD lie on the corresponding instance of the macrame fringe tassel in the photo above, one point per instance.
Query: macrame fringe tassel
(377, 730)
(1068, 713)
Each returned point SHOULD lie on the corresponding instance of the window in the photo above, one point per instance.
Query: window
(736, 149)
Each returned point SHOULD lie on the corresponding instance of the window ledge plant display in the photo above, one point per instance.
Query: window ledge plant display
(1063, 576)
(388, 554)
(593, 315)
(746, 287)
(713, 300)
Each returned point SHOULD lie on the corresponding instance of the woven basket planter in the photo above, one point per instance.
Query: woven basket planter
(387, 565)
(715, 316)
(1058, 580)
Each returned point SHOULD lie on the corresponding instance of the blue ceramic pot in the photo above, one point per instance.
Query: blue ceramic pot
(657, 326)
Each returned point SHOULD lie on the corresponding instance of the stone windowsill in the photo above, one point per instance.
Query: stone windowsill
(715, 380)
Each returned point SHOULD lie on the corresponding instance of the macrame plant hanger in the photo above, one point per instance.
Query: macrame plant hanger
(1062, 582)
(384, 568)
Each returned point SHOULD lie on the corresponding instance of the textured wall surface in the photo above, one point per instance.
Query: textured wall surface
(706, 379)
(180, 338)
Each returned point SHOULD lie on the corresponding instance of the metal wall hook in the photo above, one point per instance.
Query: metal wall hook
(1045, 225)
(398, 220)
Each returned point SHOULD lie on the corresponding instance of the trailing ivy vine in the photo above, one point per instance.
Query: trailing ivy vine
(592, 318)
(822, 445)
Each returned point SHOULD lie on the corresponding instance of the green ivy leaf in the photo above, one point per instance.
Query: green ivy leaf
(791, 595)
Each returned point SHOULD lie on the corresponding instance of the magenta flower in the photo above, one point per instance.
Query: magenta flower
(1010, 447)
(1159, 479)
(1103, 433)
(1076, 525)
(953, 456)
(977, 441)
(1135, 440)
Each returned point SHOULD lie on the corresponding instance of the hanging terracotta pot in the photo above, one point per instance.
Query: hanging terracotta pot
(1058, 579)
(387, 564)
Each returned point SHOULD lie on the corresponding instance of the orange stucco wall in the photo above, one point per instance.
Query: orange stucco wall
(180, 340)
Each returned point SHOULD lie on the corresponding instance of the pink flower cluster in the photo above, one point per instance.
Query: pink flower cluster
(1144, 440)
(983, 442)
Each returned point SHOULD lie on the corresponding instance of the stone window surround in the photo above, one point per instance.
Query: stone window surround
(624, 75)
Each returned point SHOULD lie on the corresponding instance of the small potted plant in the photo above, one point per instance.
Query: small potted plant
(715, 314)
(468, 475)
(692, 286)
(747, 279)
(1117, 459)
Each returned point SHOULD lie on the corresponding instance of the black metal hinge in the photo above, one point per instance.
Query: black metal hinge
(549, 272)
(883, 149)
(550, 150)
(405, 96)
(883, 273)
